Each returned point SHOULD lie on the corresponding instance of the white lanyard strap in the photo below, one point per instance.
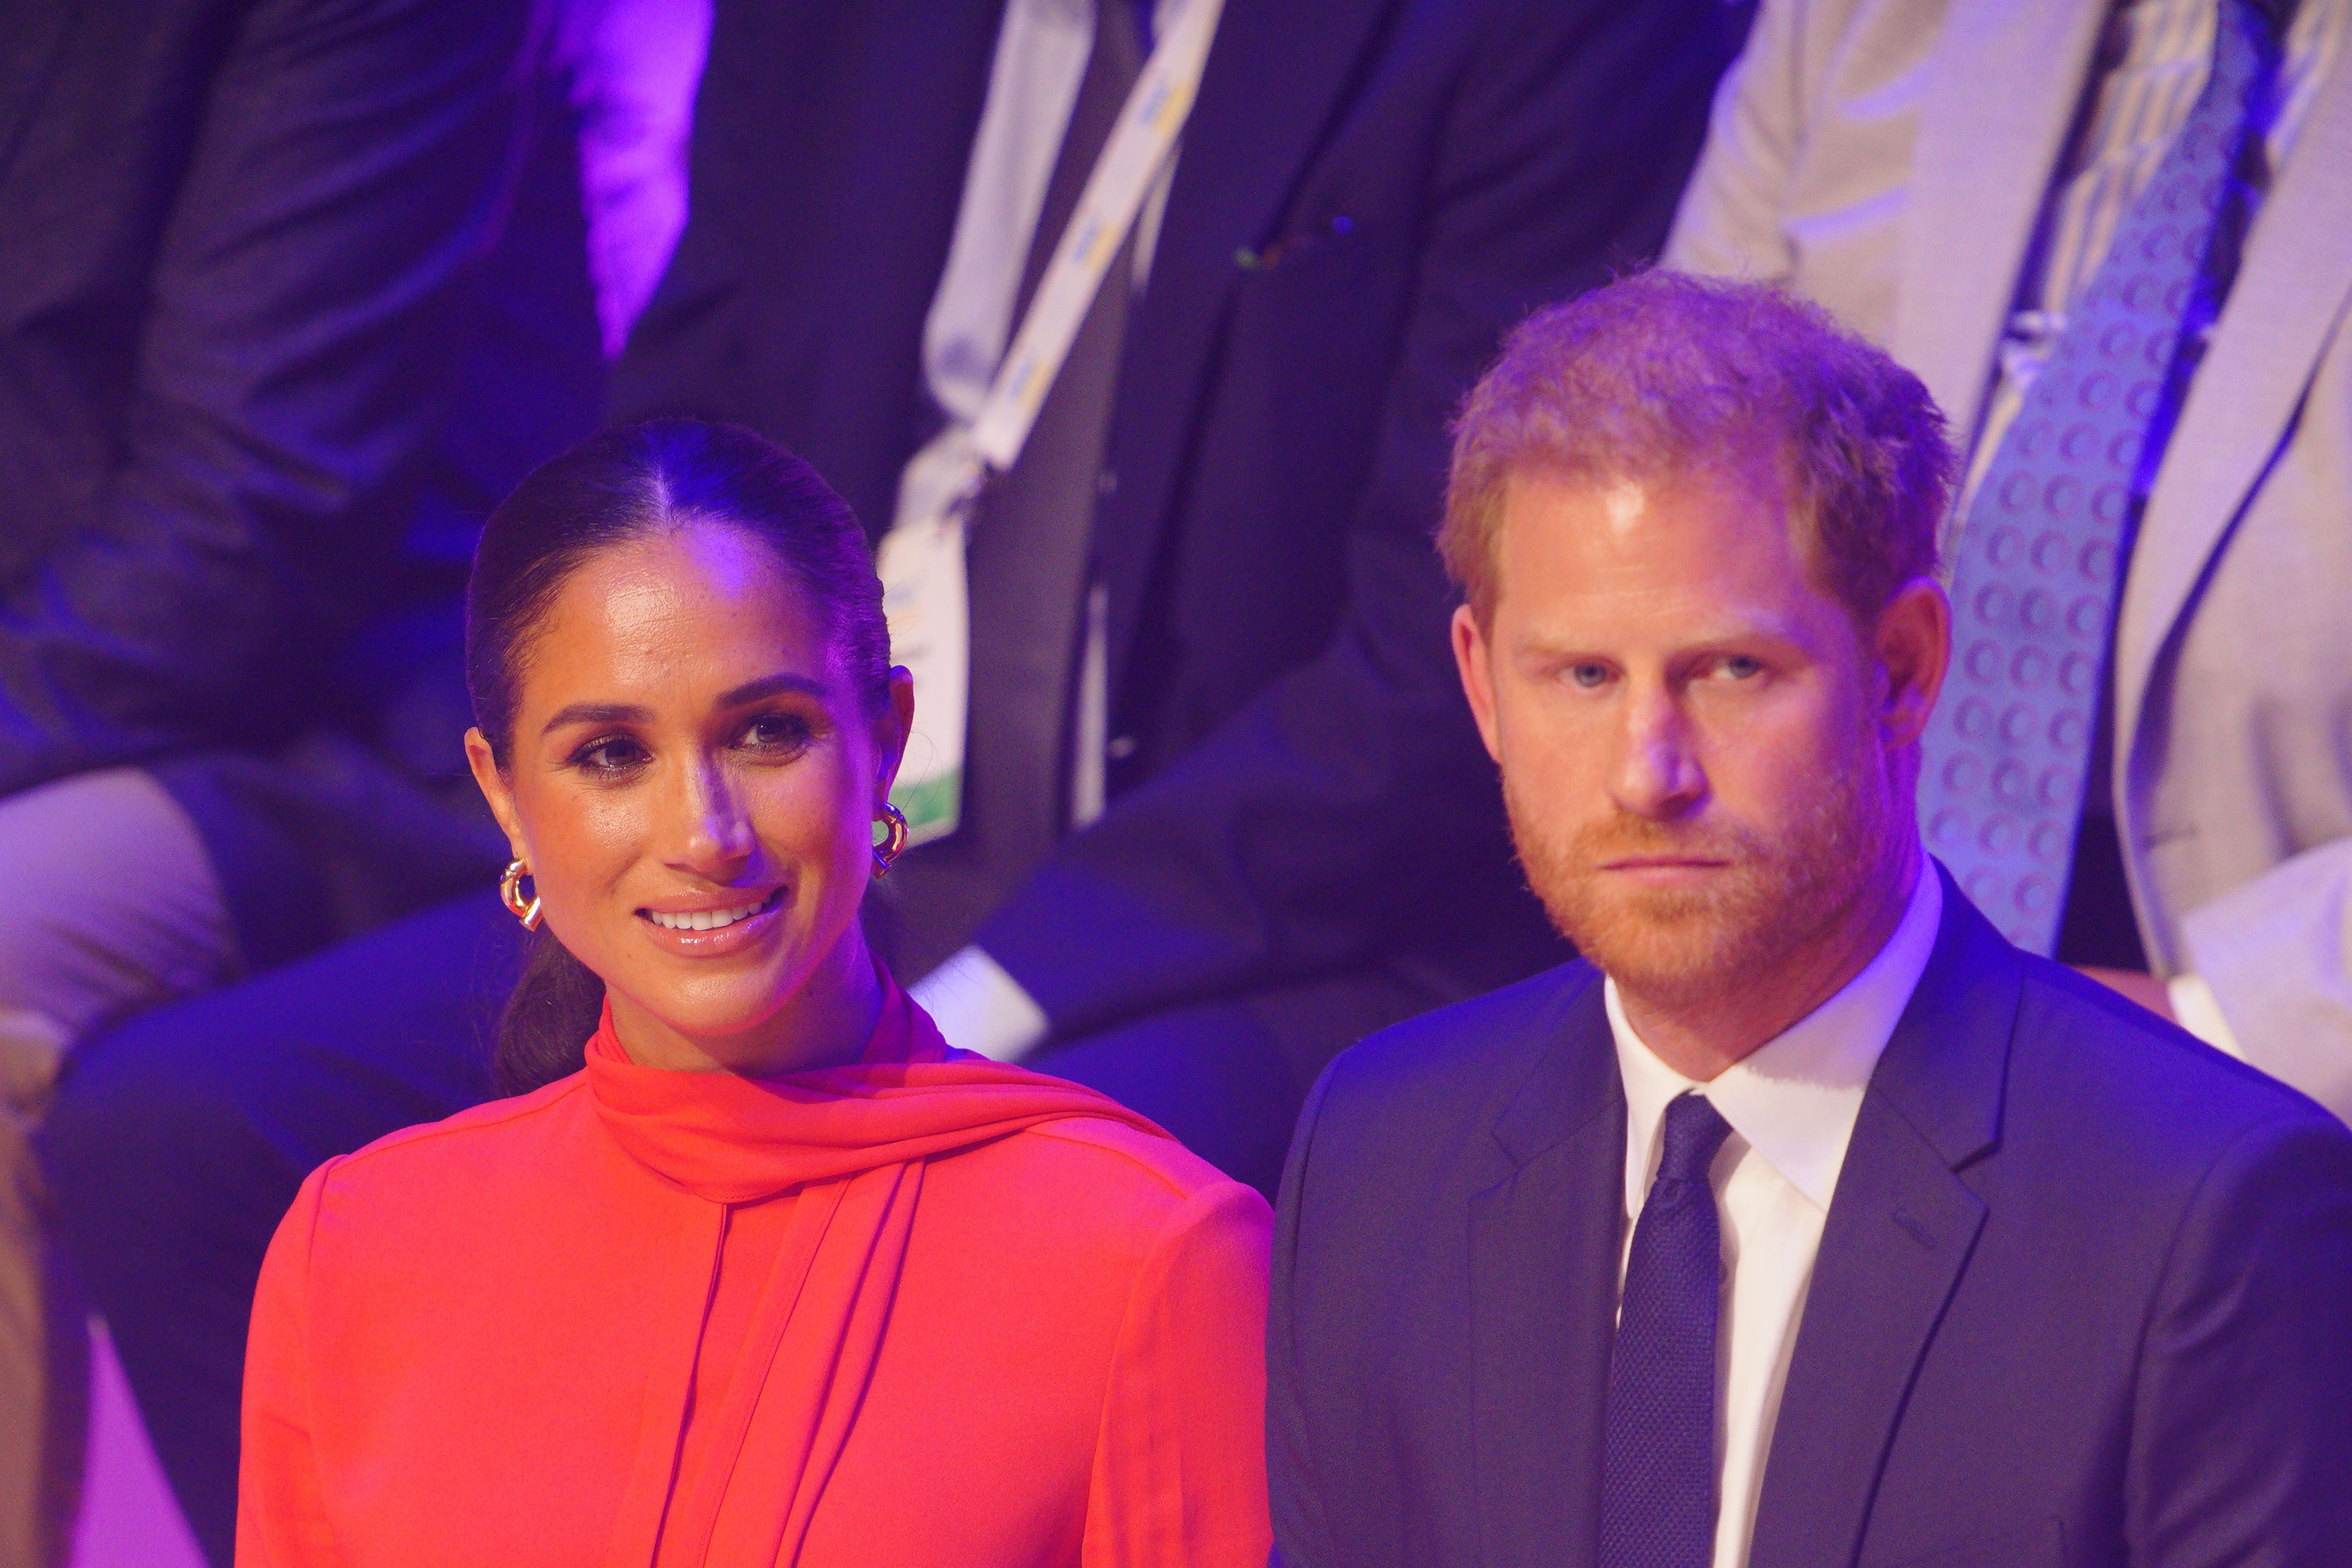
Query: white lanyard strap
(1149, 124)
(924, 591)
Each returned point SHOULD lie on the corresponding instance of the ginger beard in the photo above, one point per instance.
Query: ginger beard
(1782, 891)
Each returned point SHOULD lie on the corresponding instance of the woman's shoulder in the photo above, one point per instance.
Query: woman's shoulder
(457, 1195)
(1104, 1148)
(471, 1147)
(1093, 1221)
(1104, 1174)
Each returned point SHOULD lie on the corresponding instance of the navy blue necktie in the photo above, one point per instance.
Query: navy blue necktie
(2040, 558)
(1657, 1477)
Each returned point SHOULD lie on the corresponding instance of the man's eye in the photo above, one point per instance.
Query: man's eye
(1588, 674)
(1740, 667)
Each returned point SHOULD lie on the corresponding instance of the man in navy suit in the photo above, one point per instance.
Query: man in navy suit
(1807, 1221)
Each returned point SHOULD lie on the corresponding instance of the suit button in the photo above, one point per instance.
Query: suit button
(1120, 749)
(1106, 482)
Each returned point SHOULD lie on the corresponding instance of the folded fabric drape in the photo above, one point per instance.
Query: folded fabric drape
(733, 1139)
(852, 1140)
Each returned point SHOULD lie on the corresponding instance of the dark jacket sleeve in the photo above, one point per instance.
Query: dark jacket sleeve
(349, 160)
(1350, 805)
(2242, 1439)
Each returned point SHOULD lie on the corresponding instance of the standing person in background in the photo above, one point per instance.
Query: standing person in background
(2140, 768)
(242, 290)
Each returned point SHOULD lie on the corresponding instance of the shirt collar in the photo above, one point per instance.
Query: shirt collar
(1796, 1098)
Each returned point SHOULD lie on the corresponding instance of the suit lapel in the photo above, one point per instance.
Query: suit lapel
(1544, 1244)
(2283, 310)
(1274, 80)
(1899, 1234)
(2006, 82)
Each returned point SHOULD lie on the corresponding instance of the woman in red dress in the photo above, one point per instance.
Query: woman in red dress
(752, 1268)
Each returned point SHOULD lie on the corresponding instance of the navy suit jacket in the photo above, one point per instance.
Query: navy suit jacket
(2084, 1296)
(1371, 193)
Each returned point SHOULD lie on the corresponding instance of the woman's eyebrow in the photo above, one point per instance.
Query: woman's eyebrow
(595, 713)
(629, 713)
(768, 686)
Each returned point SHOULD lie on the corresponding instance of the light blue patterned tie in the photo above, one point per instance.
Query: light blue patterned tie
(2041, 552)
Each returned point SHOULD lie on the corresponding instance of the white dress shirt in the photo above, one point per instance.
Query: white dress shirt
(1792, 1106)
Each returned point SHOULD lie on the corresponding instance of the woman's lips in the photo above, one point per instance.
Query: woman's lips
(740, 932)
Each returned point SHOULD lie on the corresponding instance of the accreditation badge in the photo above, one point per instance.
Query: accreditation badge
(921, 562)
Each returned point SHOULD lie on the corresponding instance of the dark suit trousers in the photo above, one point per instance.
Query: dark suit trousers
(178, 1140)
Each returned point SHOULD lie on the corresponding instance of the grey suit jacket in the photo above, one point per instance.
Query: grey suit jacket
(1889, 159)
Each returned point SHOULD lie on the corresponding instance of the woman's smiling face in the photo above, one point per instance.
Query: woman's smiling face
(694, 781)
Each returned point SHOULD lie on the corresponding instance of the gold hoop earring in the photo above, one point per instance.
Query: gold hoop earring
(891, 848)
(511, 894)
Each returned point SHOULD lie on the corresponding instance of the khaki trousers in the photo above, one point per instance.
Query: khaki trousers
(110, 905)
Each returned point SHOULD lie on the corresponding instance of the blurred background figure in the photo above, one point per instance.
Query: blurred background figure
(629, 67)
(290, 295)
(1224, 813)
(241, 251)
(2140, 766)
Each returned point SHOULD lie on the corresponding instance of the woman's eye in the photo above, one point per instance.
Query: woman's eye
(776, 733)
(609, 757)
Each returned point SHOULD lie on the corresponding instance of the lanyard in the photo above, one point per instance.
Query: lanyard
(1149, 124)
(922, 559)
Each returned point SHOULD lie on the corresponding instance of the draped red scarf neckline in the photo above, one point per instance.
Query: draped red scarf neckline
(854, 1141)
(732, 1138)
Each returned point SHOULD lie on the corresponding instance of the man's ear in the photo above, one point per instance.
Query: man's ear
(1474, 662)
(1913, 642)
(493, 786)
(892, 725)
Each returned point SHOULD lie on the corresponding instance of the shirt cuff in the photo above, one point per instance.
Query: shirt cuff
(982, 1009)
(2197, 1010)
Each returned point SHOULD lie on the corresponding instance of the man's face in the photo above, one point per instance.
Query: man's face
(1704, 769)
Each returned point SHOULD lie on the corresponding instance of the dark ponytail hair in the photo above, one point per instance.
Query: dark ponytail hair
(611, 489)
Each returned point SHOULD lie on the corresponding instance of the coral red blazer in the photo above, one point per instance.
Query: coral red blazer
(926, 1310)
